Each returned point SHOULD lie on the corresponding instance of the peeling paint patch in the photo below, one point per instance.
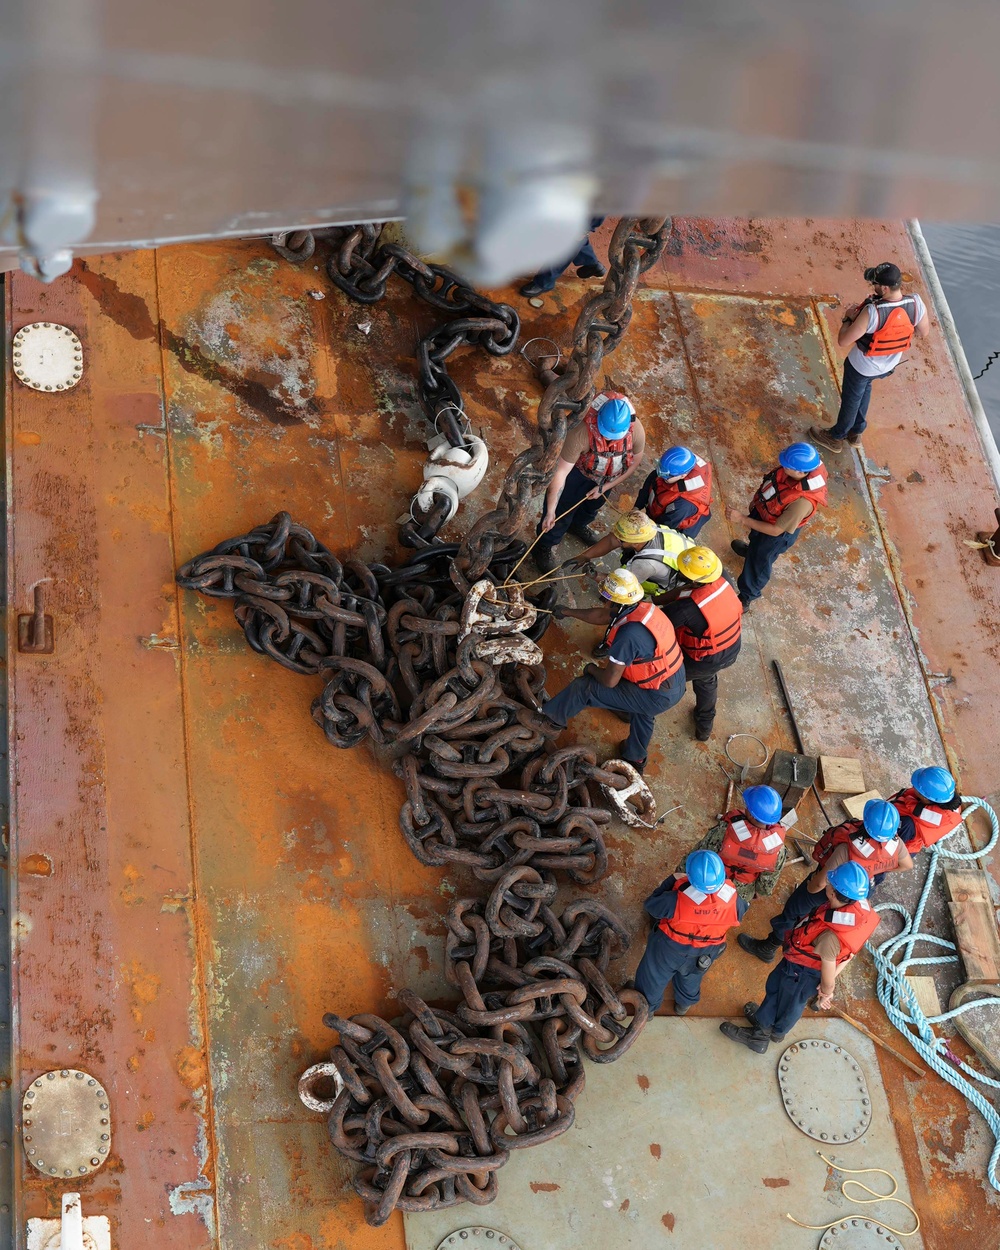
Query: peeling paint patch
(195, 1198)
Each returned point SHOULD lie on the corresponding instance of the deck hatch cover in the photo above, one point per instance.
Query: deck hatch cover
(824, 1091)
(859, 1234)
(66, 1123)
(47, 357)
(477, 1237)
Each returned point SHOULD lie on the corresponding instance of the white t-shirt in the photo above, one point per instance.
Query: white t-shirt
(876, 366)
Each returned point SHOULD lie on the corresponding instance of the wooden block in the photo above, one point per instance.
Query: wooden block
(839, 775)
(964, 884)
(976, 935)
(854, 804)
(927, 995)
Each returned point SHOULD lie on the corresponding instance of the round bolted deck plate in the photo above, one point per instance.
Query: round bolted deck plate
(47, 357)
(859, 1234)
(477, 1237)
(66, 1123)
(824, 1091)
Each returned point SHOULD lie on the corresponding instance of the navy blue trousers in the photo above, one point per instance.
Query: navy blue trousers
(643, 705)
(679, 511)
(786, 992)
(759, 561)
(585, 255)
(800, 903)
(667, 961)
(855, 394)
(576, 487)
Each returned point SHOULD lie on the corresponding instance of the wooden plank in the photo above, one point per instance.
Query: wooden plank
(976, 935)
(927, 995)
(965, 884)
(840, 775)
(854, 804)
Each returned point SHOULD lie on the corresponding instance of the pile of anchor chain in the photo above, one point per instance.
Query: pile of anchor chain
(432, 1104)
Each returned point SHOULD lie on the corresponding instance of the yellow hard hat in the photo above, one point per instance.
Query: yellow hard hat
(635, 527)
(699, 564)
(621, 586)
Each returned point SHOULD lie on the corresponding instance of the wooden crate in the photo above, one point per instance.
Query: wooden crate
(839, 775)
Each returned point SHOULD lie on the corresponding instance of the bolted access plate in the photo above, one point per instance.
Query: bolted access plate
(859, 1234)
(477, 1237)
(66, 1123)
(824, 1091)
(47, 357)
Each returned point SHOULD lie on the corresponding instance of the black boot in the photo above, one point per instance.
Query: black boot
(703, 730)
(754, 1039)
(750, 1011)
(763, 949)
(586, 533)
(546, 558)
(740, 546)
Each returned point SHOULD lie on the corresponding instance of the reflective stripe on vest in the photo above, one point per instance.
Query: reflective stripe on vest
(701, 919)
(853, 924)
(605, 459)
(666, 547)
(696, 489)
(778, 490)
(720, 605)
(873, 856)
(931, 823)
(894, 331)
(748, 850)
(667, 659)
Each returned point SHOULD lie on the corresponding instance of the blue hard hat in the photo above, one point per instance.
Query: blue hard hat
(676, 461)
(881, 820)
(706, 871)
(800, 458)
(762, 803)
(850, 880)
(614, 417)
(935, 784)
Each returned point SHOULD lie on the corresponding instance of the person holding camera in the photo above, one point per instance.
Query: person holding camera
(877, 331)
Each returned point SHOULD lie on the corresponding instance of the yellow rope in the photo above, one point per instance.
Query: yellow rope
(548, 577)
(877, 1197)
(537, 537)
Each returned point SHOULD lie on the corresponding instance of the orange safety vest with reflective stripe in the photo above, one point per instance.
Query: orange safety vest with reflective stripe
(854, 923)
(778, 490)
(696, 489)
(720, 605)
(874, 857)
(931, 823)
(894, 332)
(701, 919)
(667, 659)
(605, 458)
(747, 850)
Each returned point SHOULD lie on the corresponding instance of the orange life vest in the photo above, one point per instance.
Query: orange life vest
(873, 856)
(894, 331)
(667, 660)
(931, 823)
(701, 919)
(778, 490)
(747, 850)
(720, 605)
(854, 923)
(604, 459)
(696, 489)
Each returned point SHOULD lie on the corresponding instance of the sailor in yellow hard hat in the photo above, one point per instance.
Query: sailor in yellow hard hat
(648, 550)
(707, 616)
(644, 674)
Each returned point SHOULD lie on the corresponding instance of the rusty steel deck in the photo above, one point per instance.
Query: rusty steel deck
(199, 876)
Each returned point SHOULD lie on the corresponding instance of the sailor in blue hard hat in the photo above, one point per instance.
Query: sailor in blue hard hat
(785, 500)
(750, 841)
(678, 492)
(692, 912)
(600, 452)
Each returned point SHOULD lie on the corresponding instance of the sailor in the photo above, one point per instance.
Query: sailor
(751, 843)
(678, 492)
(817, 950)
(692, 911)
(600, 452)
(644, 674)
(877, 331)
(648, 550)
(785, 500)
(929, 809)
(706, 614)
(872, 843)
(584, 261)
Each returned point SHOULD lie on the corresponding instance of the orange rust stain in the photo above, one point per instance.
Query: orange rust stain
(36, 866)
(294, 1241)
(655, 1150)
(624, 1206)
(775, 1182)
(642, 1082)
(785, 316)
(132, 1062)
(144, 1121)
(192, 1067)
(129, 894)
(27, 438)
(543, 1187)
(668, 1221)
(145, 985)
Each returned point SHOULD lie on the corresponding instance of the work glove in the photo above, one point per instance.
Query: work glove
(560, 611)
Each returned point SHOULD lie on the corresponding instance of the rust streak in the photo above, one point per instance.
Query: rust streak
(543, 1187)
